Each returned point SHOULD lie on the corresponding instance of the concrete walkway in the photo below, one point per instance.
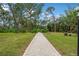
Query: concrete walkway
(40, 46)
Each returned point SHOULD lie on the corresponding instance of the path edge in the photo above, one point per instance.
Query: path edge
(24, 54)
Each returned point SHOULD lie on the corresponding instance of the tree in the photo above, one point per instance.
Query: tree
(21, 16)
(50, 11)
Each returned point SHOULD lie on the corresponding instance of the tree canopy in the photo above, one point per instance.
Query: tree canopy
(25, 17)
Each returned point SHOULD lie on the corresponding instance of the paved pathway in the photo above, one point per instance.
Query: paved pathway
(40, 46)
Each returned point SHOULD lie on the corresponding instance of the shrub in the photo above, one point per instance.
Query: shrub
(34, 31)
(65, 34)
(38, 30)
(44, 30)
(8, 30)
(70, 34)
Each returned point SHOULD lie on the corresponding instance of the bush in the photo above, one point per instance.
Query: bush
(65, 34)
(44, 30)
(12, 30)
(8, 30)
(20, 30)
(34, 31)
(39, 30)
(70, 34)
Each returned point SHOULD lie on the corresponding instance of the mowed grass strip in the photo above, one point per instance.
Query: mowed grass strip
(66, 45)
(14, 44)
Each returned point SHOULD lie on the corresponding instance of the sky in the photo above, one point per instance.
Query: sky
(59, 7)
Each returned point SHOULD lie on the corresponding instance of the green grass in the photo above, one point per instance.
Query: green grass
(14, 44)
(66, 45)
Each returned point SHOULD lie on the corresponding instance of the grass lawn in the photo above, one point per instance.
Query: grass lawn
(14, 44)
(66, 45)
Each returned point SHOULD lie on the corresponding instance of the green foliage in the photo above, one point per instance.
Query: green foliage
(34, 31)
(44, 30)
(64, 23)
(20, 18)
(25, 17)
(39, 30)
(7, 30)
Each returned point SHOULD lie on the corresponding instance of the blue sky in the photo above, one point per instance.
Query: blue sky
(59, 7)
